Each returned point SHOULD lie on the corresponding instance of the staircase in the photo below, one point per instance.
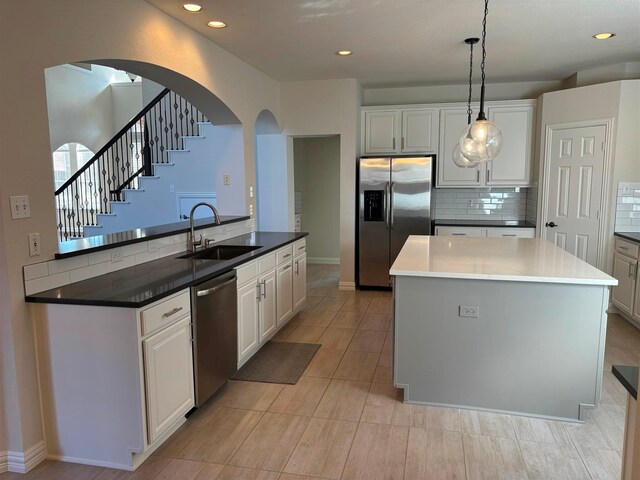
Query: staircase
(135, 179)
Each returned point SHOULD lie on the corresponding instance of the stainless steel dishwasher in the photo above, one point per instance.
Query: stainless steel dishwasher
(215, 333)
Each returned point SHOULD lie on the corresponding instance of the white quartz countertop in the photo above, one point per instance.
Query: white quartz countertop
(511, 259)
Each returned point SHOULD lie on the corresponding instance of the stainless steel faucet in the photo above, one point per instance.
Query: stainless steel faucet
(194, 244)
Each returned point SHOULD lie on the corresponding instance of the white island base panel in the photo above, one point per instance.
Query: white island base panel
(535, 349)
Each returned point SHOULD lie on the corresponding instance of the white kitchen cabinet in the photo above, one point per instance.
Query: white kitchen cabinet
(624, 270)
(381, 129)
(168, 365)
(511, 232)
(461, 232)
(519, 232)
(512, 166)
(452, 123)
(419, 130)
(299, 281)
(248, 320)
(267, 305)
(284, 293)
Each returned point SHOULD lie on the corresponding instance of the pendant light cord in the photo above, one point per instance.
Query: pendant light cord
(481, 115)
(469, 111)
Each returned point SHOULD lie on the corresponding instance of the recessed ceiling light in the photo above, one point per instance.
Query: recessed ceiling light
(604, 35)
(192, 7)
(344, 53)
(216, 24)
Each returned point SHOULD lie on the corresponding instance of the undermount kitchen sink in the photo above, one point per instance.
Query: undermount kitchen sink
(221, 252)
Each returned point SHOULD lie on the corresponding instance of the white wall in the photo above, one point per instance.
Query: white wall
(330, 107)
(126, 101)
(150, 90)
(272, 178)
(144, 34)
(608, 73)
(317, 176)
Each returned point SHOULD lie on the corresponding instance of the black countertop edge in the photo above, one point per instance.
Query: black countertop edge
(82, 246)
(143, 284)
(628, 377)
(633, 236)
(440, 222)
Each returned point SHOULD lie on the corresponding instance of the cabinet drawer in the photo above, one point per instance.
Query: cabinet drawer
(166, 312)
(247, 272)
(461, 231)
(284, 254)
(511, 232)
(624, 247)
(266, 263)
(299, 247)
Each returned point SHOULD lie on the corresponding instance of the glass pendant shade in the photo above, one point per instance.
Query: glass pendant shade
(481, 141)
(460, 160)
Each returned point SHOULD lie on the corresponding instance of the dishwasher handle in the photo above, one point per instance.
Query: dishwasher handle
(208, 291)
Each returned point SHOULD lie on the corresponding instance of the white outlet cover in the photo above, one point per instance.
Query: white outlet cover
(116, 255)
(34, 245)
(226, 179)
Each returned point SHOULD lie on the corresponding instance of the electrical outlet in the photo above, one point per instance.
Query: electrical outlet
(250, 192)
(469, 203)
(34, 245)
(116, 255)
(469, 311)
(226, 179)
(20, 207)
(172, 188)
(251, 209)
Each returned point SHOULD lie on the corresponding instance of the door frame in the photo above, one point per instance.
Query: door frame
(543, 196)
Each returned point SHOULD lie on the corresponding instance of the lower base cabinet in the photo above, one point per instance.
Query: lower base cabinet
(485, 232)
(267, 306)
(248, 317)
(285, 293)
(299, 281)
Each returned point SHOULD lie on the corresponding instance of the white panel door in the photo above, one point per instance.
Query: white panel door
(512, 166)
(299, 281)
(268, 311)
(452, 122)
(623, 293)
(168, 367)
(418, 131)
(284, 293)
(248, 334)
(381, 130)
(576, 167)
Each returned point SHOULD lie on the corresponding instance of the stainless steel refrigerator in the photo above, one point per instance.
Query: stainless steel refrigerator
(394, 202)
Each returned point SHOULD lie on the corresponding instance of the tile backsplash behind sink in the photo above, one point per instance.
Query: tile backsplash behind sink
(480, 203)
(628, 207)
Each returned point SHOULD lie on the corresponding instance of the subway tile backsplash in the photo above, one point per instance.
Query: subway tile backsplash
(628, 207)
(480, 203)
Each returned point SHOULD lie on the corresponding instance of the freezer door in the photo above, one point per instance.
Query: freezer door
(410, 205)
(375, 178)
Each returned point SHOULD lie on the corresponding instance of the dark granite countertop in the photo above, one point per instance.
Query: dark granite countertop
(146, 283)
(628, 377)
(81, 246)
(633, 236)
(441, 222)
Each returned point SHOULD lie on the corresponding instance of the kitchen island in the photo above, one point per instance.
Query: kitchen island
(504, 324)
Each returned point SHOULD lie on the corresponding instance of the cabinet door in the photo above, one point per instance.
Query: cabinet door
(381, 130)
(452, 122)
(418, 131)
(461, 231)
(267, 308)
(512, 166)
(168, 365)
(624, 272)
(299, 281)
(247, 319)
(284, 293)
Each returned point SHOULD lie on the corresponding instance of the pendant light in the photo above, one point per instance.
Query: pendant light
(482, 139)
(458, 158)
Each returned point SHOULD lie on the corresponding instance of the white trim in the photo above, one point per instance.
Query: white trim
(323, 260)
(347, 286)
(543, 192)
(4, 463)
(23, 462)
(94, 463)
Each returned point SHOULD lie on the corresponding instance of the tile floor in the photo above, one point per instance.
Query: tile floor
(345, 420)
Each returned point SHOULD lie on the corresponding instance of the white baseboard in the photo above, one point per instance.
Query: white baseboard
(23, 462)
(4, 463)
(347, 286)
(94, 463)
(323, 260)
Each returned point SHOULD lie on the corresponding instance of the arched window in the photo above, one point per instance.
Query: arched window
(67, 160)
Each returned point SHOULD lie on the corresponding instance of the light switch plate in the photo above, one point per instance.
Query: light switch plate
(20, 207)
(469, 311)
(226, 179)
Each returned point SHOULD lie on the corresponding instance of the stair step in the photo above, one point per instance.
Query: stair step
(156, 165)
(177, 151)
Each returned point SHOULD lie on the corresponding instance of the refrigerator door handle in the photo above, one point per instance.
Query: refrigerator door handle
(391, 203)
(386, 204)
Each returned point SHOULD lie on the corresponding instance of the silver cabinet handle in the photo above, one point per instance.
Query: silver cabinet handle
(204, 293)
(487, 181)
(477, 175)
(631, 269)
(172, 312)
(264, 289)
(287, 267)
(623, 248)
(394, 143)
(302, 247)
(463, 234)
(287, 255)
(402, 143)
(509, 235)
(297, 267)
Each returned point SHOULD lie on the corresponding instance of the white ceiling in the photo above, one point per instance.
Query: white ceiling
(418, 42)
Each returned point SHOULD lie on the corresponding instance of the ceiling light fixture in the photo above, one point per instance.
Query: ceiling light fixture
(604, 35)
(458, 158)
(192, 7)
(344, 53)
(216, 24)
(481, 140)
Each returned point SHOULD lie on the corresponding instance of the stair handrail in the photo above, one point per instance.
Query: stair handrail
(113, 140)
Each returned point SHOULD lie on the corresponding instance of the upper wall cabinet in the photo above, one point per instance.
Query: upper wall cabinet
(452, 122)
(399, 131)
